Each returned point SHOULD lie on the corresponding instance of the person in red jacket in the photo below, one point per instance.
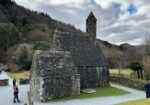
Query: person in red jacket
(16, 91)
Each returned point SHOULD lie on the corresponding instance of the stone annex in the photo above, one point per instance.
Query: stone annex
(74, 62)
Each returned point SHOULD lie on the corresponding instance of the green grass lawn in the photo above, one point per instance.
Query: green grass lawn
(124, 72)
(136, 102)
(18, 75)
(101, 92)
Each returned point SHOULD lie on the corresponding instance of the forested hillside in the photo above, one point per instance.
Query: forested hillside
(21, 25)
(22, 31)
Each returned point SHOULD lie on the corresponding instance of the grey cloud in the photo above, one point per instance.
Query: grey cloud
(113, 23)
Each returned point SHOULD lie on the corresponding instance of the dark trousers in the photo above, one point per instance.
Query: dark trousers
(16, 97)
(147, 93)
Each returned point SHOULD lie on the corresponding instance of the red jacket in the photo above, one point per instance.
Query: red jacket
(15, 89)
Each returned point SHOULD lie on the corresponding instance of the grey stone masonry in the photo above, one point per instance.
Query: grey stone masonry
(91, 25)
(87, 56)
(83, 50)
(53, 75)
(92, 77)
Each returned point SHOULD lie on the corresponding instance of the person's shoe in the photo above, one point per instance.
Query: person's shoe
(19, 101)
(14, 101)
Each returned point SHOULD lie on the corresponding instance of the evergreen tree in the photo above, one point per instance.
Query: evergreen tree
(138, 67)
(9, 36)
(5, 2)
(23, 59)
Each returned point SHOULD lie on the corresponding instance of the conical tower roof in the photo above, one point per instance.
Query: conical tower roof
(91, 15)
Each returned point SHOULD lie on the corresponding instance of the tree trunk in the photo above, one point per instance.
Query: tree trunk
(119, 71)
(138, 73)
(141, 74)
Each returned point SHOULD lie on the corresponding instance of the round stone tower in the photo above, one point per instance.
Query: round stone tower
(91, 22)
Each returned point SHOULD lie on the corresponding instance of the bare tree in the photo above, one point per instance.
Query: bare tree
(146, 57)
(147, 46)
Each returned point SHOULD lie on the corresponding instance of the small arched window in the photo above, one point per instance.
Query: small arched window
(94, 21)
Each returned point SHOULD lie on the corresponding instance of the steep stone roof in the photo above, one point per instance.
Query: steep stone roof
(83, 50)
(91, 15)
(53, 63)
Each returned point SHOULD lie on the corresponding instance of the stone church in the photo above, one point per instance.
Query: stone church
(74, 62)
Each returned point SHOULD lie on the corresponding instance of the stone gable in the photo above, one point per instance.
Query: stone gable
(53, 75)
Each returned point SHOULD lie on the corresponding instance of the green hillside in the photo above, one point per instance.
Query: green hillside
(23, 28)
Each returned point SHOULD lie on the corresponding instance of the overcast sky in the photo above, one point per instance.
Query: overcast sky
(119, 21)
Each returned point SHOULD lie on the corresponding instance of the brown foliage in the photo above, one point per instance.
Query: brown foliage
(146, 63)
(37, 35)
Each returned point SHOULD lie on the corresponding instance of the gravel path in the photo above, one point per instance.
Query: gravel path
(6, 92)
(109, 100)
(6, 96)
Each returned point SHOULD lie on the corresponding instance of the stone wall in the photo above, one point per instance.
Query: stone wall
(58, 86)
(4, 82)
(53, 75)
(34, 77)
(92, 77)
(128, 82)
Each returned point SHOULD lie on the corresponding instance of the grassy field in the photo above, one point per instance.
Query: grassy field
(18, 75)
(101, 92)
(124, 72)
(137, 102)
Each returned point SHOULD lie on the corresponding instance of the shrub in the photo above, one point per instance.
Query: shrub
(37, 35)
(23, 56)
(138, 67)
(23, 60)
(8, 70)
(42, 45)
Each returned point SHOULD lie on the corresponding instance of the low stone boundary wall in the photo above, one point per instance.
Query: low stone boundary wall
(4, 82)
(128, 82)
